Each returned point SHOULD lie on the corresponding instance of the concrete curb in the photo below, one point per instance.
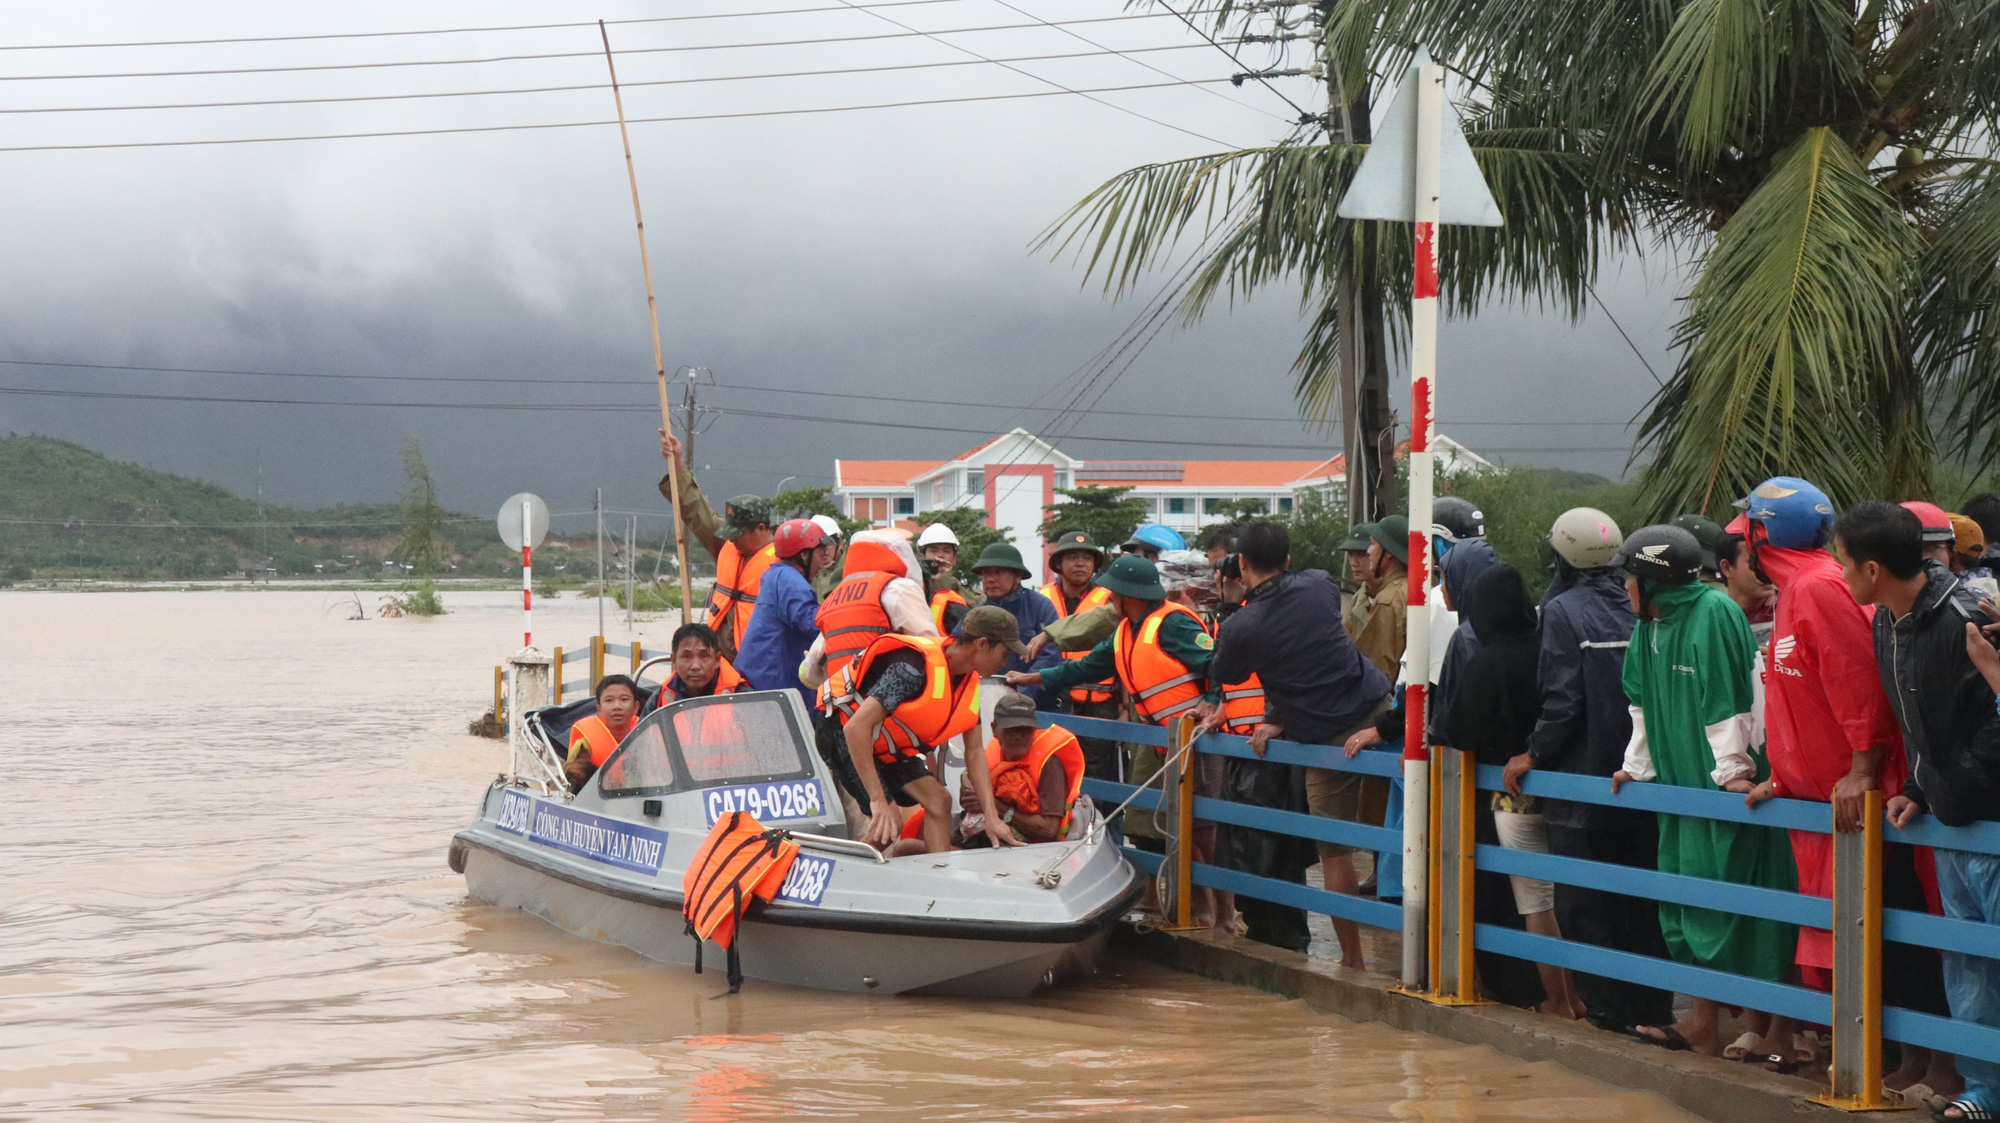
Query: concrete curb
(1717, 1090)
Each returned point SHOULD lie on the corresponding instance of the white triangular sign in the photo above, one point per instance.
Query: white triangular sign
(1385, 186)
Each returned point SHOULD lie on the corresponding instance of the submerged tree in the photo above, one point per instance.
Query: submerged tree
(423, 545)
(1821, 168)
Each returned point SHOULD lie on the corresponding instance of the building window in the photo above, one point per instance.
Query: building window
(1284, 504)
(1212, 505)
(1062, 481)
(937, 493)
(907, 504)
(1176, 506)
(975, 481)
(874, 510)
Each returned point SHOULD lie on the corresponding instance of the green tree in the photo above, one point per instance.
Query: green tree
(805, 502)
(969, 523)
(1821, 170)
(1107, 514)
(423, 544)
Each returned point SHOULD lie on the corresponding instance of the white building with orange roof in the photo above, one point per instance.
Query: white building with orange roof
(1015, 475)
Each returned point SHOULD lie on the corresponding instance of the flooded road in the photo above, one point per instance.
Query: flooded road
(225, 896)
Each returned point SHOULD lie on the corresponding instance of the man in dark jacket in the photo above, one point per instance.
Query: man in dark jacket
(1584, 726)
(1939, 673)
(1317, 689)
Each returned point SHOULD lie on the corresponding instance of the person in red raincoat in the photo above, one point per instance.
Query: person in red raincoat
(1831, 734)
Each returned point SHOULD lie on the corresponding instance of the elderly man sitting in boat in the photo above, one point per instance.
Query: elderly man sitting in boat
(1037, 775)
(898, 702)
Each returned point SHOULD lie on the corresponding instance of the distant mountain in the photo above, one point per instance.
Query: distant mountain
(65, 510)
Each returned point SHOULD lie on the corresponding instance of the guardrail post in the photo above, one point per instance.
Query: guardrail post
(1453, 815)
(556, 668)
(636, 649)
(500, 699)
(596, 660)
(1177, 794)
(1857, 965)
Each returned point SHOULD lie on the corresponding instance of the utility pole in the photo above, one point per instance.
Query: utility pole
(600, 562)
(631, 563)
(688, 412)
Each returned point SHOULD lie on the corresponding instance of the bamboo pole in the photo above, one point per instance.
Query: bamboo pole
(652, 311)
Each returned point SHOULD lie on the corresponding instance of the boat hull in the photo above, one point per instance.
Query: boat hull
(892, 955)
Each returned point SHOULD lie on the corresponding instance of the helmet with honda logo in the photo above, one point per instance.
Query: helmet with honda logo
(796, 536)
(1795, 515)
(1666, 554)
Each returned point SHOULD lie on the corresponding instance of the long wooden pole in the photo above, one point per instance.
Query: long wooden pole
(652, 310)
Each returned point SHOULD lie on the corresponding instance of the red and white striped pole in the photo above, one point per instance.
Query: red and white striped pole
(1423, 421)
(527, 576)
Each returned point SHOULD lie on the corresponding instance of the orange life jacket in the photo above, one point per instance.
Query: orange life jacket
(593, 732)
(727, 681)
(852, 615)
(1019, 782)
(1098, 595)
(737, 863)
(942, 600)
(1161, 686)
(941, 712)
(734, 596)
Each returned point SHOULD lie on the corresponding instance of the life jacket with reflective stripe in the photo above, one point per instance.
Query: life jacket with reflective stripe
(930, 719)
(942, 600)
(1019, 782)
(734, 596)
(1161, 687)
(1098, 595)
(593, 732)
(1243, 706)
(727, 681)
(849, 619)
(737, 863)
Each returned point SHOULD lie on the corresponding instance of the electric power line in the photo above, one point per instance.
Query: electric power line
(1086, 95)
(616, 408)
(448, 30)
(680, 49)
(1231, 55)
(596, 85)
(613, 121)
(1218, 94)
(558, 383)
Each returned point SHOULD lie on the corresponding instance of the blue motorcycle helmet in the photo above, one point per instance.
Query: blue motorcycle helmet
(1795, 514)
(1153, 536)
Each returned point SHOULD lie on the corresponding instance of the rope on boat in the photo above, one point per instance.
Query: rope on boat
(1048, 878)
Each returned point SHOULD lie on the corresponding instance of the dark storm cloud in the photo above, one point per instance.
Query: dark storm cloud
(873, 254)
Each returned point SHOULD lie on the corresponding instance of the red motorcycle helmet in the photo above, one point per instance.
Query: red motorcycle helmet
(796, 536)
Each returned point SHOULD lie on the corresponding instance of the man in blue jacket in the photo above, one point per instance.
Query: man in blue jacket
(1002, 577)
(1585, 724)
(785, 622)
(1317, 689)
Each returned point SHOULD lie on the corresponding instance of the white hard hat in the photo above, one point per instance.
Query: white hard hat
(827, 525)
(936, 534)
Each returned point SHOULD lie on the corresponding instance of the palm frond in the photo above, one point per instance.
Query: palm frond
(1794, 343)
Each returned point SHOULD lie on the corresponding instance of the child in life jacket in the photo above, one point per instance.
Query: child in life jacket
(593, 739)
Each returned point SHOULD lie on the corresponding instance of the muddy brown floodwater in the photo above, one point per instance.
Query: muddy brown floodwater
(222, 847)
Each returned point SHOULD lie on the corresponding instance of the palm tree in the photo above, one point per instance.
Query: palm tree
(1819, 170)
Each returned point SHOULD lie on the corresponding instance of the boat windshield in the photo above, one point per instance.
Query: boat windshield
(703, 742)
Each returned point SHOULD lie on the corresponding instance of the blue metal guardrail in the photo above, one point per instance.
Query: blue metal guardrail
(1816, 1007)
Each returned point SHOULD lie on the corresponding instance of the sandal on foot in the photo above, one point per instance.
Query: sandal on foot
(1739, 1048)
(1670, 1038)
(1971, 1112)
(1921, 1096)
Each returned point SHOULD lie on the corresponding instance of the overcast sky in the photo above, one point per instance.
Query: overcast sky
(882, 253)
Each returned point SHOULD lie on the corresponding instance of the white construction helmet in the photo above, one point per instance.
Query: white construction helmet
(827, 525)
(1585, 537)
(937, 534)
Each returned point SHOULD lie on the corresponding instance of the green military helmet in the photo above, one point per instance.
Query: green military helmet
(1076, 540)
(1358, 538)
(1001, 555)
(1130, 575)
(1394, 535)
(1706, 531)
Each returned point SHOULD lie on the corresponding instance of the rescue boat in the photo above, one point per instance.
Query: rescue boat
(608, 861)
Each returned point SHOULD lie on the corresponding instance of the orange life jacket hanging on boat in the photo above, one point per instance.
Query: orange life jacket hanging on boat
(737, 863)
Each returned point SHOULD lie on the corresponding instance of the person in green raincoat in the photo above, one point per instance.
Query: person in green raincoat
(1687, 675)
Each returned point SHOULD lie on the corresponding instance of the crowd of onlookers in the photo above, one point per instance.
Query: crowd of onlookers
(1846, 658)
(1795, 652)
